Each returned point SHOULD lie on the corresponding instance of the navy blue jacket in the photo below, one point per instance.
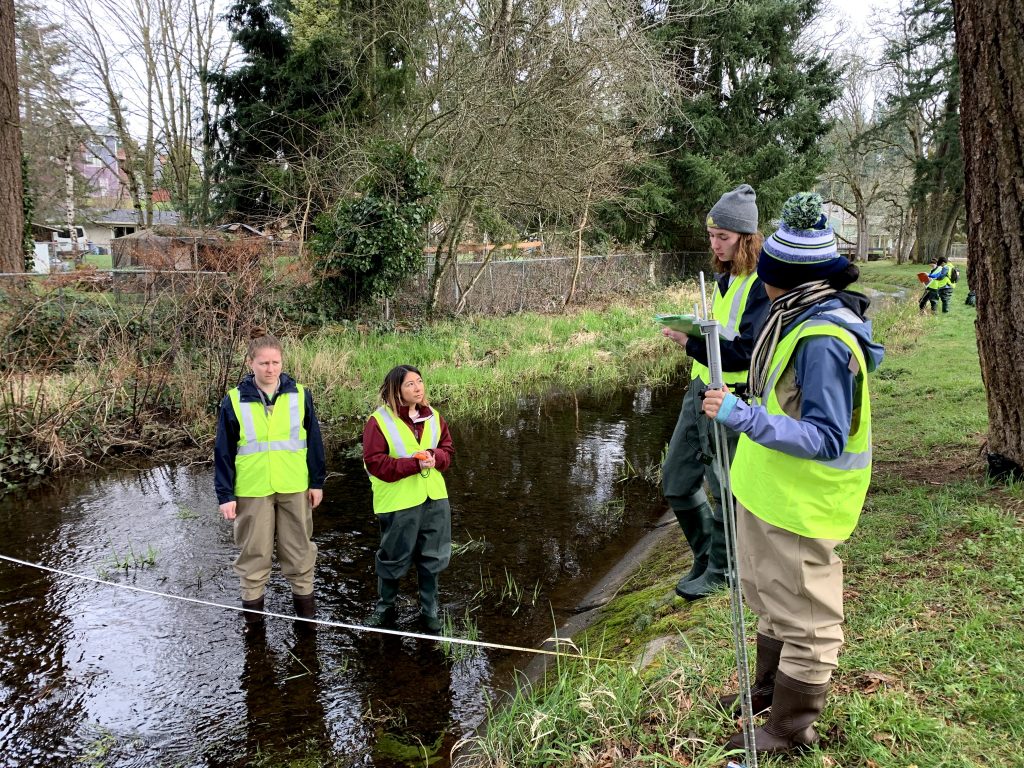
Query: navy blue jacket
(228, 431)
(736, 354)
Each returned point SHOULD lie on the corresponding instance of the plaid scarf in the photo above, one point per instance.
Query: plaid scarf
(784, 310)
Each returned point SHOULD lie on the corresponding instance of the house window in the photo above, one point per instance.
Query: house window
(122, 231)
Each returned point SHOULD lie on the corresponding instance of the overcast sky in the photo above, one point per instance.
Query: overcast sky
(853, 19)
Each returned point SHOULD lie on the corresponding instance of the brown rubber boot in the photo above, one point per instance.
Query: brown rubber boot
(790, 727)
(769, 650)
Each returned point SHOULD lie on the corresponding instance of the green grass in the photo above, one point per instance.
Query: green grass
(474, 367)
(932, 669)
(99, 260)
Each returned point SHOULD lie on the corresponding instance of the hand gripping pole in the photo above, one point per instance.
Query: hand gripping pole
(710, 329)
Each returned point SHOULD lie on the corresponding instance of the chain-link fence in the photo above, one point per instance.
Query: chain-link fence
(497, 287)
(542, 284)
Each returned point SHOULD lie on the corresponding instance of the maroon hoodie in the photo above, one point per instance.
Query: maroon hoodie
(390, 470)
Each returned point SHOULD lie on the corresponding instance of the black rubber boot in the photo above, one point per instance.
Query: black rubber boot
(255, 625)
(305, 608)
(695, 525)
(790, 727)
(384, 613)
(769, 651)
(713, 577)
(428, 603)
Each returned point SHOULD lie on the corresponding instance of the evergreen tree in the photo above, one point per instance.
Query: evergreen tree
(753, 111)
(310, 67)
(926, 103)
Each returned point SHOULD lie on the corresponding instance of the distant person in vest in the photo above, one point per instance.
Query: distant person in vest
(802, 467)
(940, 286)
(740, 305)
(269, 475)
(406, 448)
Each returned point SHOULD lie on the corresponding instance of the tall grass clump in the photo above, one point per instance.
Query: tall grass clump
(87, 374)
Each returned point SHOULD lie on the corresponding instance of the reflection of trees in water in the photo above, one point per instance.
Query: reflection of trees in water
(545, 484)
(37, 619)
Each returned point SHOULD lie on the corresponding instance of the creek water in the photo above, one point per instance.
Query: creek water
(99, 676)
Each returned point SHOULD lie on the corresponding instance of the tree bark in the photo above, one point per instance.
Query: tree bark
(578, 267)
(69, 196)
(992, 135)
(863, 234)
(11, 217)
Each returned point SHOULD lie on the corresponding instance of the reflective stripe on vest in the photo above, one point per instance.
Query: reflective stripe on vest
(271, 453)
(413, 490)
(817, 499)
(735, 301)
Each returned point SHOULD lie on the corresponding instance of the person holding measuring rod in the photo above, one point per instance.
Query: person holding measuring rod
(802, 467)
(740, 305)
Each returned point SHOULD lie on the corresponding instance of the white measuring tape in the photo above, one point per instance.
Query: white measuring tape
(321, 622)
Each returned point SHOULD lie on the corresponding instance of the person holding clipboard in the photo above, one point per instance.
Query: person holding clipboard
(740, 305)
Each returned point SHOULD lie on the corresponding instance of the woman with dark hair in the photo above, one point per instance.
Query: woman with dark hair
(269, 471)
(740, 305)
(802, 467)
(406, 447)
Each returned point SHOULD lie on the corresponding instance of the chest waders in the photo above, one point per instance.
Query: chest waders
(711, 330)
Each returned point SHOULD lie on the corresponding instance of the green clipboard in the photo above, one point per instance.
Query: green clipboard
(683, 323)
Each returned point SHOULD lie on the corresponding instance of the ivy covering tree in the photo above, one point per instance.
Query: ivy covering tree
(753, 110)
(28, 207)
(367, 245)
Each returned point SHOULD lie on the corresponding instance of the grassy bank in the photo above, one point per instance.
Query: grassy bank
(931, 672)
(475, 366)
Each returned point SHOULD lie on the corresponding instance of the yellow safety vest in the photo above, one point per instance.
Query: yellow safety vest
(728, 309)
(271, 454)
(413, 490)
(941, 282)
(816, 499)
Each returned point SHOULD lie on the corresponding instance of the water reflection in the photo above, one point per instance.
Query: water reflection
(95, 675)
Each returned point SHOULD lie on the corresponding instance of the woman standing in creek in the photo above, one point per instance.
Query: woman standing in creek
(406, 448)
(740, 305)
(269, 471)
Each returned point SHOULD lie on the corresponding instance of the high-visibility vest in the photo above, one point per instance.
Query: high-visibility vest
(413, 490)
(816, 499)
(271, 452)
(941, 282)
(728, 310)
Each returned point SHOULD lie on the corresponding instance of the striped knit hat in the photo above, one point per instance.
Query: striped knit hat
(803, 249)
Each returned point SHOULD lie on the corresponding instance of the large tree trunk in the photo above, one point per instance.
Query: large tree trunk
(991, 51)
(933, 226)
(11, 217)
(69, 196)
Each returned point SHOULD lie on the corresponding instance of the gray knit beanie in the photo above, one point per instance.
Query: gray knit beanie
(735, 211)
